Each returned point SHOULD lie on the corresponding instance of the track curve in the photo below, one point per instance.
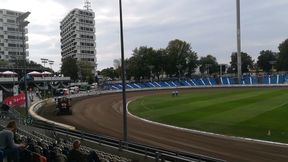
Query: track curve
(103, 115)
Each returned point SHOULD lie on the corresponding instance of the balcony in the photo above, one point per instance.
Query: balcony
(8, 79)
(39, 79)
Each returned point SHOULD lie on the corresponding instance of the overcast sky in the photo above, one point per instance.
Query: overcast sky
(208, 25)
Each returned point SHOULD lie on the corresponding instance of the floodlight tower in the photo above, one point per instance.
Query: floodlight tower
(22, 23)
(239, 62)
(123, 72)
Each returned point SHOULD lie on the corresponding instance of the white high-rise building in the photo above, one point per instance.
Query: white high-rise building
(11, 37)
(78, 36)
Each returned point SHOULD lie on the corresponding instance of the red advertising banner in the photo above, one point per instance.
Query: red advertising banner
(17, 100)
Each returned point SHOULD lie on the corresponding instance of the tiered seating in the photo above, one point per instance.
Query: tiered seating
(286, 79)
(185, 83)
(247, 80)
(157, 84)
(198, 82)
(139, 85)
(43, 148)
(192, 82)
(266, 79)
(113, 87)
(281, 78)
(224, 81)
(254, 80)
(206, 81)
(231, 81)
(172, 83)
(274, 79)
(129, 86)
(212, 81)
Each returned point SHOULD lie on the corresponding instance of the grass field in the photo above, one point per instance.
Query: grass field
(248, 112)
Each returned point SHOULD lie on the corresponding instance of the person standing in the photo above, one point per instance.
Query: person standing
(10, 148)
(75, 155)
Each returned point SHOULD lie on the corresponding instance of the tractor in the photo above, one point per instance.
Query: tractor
(63, 105)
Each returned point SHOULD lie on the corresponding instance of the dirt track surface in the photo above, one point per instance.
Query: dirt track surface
(103, 115)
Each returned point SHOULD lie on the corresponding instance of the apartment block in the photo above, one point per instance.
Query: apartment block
(12, 38)
(78, 36)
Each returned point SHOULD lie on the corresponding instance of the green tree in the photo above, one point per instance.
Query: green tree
(246, 60)
(159, 63)
(208, 64)
(191, 62)
(283, 56)
(139, 62)
(266, 59)
(180, 57)
(86, 71)
(70, 68)
(109, 72)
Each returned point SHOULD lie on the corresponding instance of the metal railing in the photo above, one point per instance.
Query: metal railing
(144, 150)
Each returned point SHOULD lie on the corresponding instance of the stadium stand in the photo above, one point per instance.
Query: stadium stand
(52, 143)
(207, 81)
(42, 148)
(225, 81)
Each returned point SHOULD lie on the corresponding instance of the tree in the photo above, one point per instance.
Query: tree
(138, 64)
(208, 64)
(86, 71)
(283, 56)
(266, 60)
(246, 60)
(159, 63)
(180, 54)
(109, 72)
(70, 68)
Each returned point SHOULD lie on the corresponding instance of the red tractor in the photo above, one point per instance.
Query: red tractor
(63, 105)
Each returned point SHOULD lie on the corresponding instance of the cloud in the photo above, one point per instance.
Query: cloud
(209, 26)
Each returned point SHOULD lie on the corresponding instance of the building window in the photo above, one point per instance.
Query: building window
(87, 51)
(10, 13)
(10, 21)
(12, 29)
(12, 53)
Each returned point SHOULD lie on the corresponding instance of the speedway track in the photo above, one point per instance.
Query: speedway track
(103, 115)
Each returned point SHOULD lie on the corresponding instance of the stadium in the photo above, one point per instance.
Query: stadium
(165, 104)
(100, 113)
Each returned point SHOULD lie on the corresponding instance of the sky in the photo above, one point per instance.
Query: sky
(208, 25)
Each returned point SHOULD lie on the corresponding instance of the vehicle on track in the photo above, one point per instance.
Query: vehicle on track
(63, 106)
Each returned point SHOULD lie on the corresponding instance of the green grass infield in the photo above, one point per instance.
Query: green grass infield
(259, 113)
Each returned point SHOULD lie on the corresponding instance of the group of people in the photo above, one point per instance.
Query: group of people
(14, 151)
(175, 93)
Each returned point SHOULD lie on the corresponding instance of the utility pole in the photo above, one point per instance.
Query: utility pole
(21, 25)
(239, 62)
(123, 76)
